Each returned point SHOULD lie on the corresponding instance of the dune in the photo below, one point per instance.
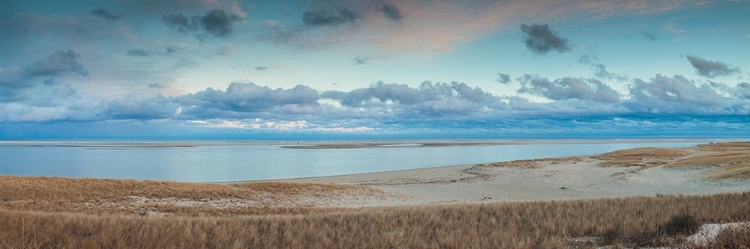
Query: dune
(640, 200)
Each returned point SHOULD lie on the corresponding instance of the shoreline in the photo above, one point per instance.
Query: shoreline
(624, 173)
(354, 144)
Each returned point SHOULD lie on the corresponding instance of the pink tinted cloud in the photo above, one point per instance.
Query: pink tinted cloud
(441, 25)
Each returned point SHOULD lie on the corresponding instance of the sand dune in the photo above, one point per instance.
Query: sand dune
(705, 169)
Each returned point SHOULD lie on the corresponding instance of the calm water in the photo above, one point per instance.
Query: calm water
(261, 162)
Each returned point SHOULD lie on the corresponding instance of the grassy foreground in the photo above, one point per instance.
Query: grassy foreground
(633, 221)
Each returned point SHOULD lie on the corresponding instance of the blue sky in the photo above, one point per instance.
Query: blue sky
(332, 68)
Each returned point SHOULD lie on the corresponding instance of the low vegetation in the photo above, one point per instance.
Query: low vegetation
(629, 221)
(736, 237)
(43, 212)
(107, 196)
(726, 160)
(640, 157)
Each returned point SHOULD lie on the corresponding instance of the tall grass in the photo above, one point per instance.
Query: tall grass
(498, 225)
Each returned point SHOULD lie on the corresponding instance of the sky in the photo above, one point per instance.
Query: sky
(210, 69)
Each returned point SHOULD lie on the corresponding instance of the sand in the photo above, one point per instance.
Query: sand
(646, 172)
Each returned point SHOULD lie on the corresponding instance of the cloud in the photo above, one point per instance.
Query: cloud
(138, 53)
(248, 97)
(329, 17)
(503, 78)
(600, 70)
(677, 94)
(649, 35)
(227, 50)
(61, 63)
(540, 39)
(438, 26)
(429, 100)
(105, 14)
(361, 60)
(156, 85)
(215, 22)
(711, 69)
(262, 68)
(671, 27)
(391, 12)
(743, 90)
(568, 88)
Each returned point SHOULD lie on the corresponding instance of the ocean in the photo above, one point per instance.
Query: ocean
(244, 161)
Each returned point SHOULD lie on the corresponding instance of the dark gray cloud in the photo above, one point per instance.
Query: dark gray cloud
(361, 60)
(743, 90)
(540, 39)
(215, 22)
(391, 12)
(218, 23)
(600, 70)
(180, 23)
(59, 63)
(711, 69)
(649, 35)
(329, 17)
(138, 52)
(171, 49)
(568, 88)
(156, 85)
(105, 14)
(503, 78)
(38, 84)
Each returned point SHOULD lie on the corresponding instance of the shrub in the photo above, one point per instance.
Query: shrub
(611, 236)
(684, 224)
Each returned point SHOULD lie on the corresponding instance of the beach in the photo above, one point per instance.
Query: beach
(618, 197)
(654, 172)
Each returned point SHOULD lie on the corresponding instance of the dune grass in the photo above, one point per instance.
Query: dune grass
(497, 225)
(109, 196)
(640, 157)
(729, 160)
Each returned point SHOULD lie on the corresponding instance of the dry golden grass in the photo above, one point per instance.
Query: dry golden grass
(640, 157)
(735, 237)
(730, 160)
(531, 164)
(519, 164)
(103, 196)
(497, 225)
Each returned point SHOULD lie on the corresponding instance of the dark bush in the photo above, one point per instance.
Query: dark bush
(684, 224)
(611, 236)
(645, 239)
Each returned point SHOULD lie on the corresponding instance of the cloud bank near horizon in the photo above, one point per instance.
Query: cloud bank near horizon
(434, 105)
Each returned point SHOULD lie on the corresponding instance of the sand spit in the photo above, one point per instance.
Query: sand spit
(444, 143)
(705, 169)
(701, 170)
